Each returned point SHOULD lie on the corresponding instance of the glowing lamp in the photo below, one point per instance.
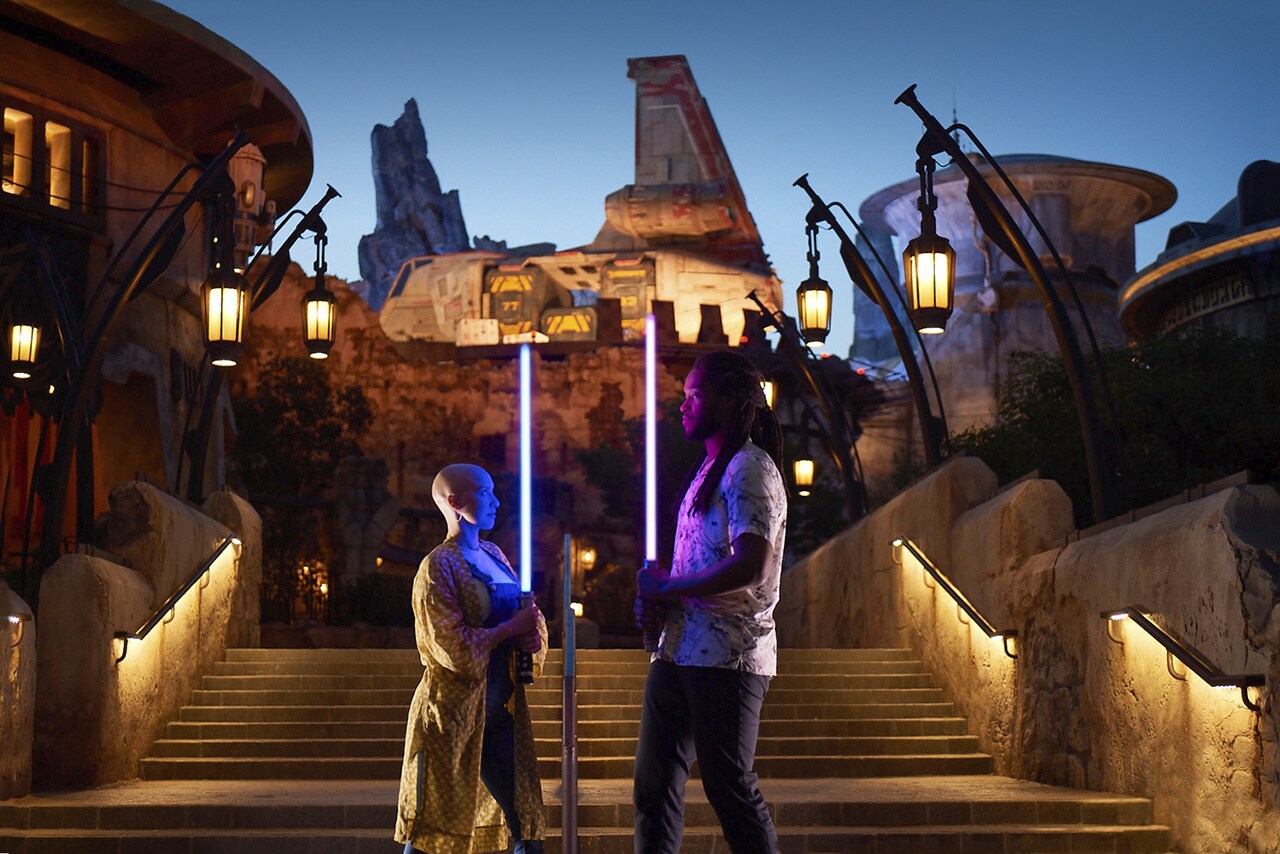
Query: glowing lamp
(225, 303)
(576, 607)
(803, 470)
(526, 469)
(928, 265)
(24, 343)
(813, 304)
(767, 386)
(319, 320)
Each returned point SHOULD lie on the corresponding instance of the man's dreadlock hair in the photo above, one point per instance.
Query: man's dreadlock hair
(733, 375)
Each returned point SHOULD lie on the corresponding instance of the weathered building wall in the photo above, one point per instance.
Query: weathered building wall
(429, 413)
(96, 717)
(1076, 708)
(17, 693)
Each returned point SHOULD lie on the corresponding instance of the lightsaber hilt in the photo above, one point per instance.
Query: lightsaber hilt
(524, 660)
(652, 636)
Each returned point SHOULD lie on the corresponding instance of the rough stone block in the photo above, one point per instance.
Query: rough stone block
(96, 716)
(158, 535)
(244, 629)
(17, 694)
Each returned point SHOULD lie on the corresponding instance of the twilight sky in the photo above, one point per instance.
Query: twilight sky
(529, 113)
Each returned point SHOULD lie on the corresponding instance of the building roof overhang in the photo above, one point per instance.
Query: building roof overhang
(199, 86)
(1158, 282)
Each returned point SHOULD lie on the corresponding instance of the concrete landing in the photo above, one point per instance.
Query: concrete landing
(964, 813)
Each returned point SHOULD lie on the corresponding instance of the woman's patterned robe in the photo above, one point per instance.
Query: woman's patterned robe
(444, 807)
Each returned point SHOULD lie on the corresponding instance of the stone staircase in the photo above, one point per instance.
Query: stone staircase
(299, 750)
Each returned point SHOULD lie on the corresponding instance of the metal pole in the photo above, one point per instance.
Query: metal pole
(862, 276)
(836, 431)
(73, 417)
(568, 714)
(1091, 433)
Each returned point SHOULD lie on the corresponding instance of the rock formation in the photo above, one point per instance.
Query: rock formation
(415, 217)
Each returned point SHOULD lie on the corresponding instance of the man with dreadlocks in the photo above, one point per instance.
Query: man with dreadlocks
(718, 648)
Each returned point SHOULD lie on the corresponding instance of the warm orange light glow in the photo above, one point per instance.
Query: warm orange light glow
(57, 149)
(929, 275)
(319, 319)
(17, 152)
(225, 305)
(813, 306)
(24, 342)
(767, 385)
(804, 474)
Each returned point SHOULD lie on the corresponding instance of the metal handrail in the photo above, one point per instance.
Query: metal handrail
(166, 611)
(20, 621)
(569, 717)
(1210, 673)
(1002, 635)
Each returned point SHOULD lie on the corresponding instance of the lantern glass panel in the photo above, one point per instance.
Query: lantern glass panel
(804, 472)
(24, 341)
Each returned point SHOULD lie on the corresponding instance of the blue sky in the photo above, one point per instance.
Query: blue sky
(530, 115)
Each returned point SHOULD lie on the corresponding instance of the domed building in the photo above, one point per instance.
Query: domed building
(1088, 210)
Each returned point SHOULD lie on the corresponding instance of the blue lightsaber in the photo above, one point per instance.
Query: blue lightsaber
(651, 637)
(524, 661)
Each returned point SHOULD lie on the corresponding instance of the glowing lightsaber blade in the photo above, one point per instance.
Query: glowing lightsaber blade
(650, 438)
(651, 636)
(526, 470)
(524, 660)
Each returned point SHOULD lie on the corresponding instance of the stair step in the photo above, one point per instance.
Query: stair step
(792, 746)
(554, 655)
(777, 727)
(770, 712)
(318, 748)
(257, 767)
(249, 730)
(387, 713)
(898, 802)
(937, 839)
(776, 696)
(635, 684)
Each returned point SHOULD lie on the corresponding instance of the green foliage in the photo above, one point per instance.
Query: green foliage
(619, 473)
(291, 434)
(1190, 407)
(296, 427)
(815, 518)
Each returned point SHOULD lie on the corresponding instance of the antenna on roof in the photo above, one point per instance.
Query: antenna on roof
(955, 134)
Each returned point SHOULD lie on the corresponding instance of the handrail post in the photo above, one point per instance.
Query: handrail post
(568, 715)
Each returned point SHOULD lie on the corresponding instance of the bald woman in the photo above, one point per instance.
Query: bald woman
(470, 773)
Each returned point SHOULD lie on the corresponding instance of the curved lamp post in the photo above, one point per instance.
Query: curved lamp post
(83, 335)
(931, 429)
(937, 140)
(835, 432)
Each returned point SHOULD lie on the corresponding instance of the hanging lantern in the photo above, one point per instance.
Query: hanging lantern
(319, 320)
(928, 262)
(929, 265)
(224, 304)
(24, 343)
(803, 470)
(767, 387)
(319, 308)
(813, 298)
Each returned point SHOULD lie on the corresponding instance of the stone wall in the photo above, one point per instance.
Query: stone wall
(1076, 708)
(98, 717)
(17, 694)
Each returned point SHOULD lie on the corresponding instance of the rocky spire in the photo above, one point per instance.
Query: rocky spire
(415, 217)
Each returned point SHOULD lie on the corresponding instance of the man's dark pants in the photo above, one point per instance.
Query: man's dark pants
(713, 713)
